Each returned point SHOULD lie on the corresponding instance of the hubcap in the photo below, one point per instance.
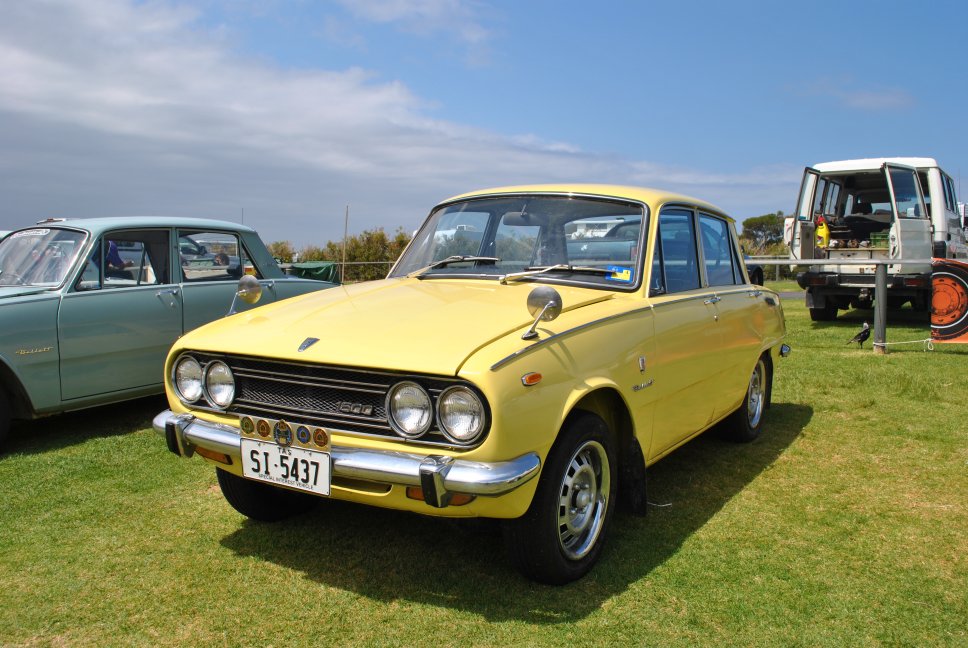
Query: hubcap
(583, 499)
(756, 394)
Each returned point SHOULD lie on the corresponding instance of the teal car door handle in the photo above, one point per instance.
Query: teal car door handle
(172, 293)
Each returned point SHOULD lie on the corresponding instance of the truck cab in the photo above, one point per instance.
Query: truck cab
(880, 208)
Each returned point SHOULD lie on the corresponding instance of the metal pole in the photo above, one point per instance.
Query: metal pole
(880, 309)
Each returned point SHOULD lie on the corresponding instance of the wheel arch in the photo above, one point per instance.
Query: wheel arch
(608, 404)
(17, 398)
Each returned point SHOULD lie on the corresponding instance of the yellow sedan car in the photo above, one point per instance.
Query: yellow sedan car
(530, 354)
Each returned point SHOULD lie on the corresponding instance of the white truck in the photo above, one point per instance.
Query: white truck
(901, 208)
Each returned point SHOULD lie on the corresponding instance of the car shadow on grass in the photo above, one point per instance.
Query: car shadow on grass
(393, 556)
(72, 428)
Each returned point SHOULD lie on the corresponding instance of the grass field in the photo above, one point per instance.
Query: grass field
(845, 524)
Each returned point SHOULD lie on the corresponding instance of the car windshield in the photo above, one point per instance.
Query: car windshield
(588, 241)
(41, 256)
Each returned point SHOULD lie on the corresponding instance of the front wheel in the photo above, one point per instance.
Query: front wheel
(560, 538)
(4, 418)
(745, 423)
(261, 501)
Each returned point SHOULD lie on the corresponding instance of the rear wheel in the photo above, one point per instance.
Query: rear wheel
(745, 423)
(261, 501)
(826, 313)
(560, 538)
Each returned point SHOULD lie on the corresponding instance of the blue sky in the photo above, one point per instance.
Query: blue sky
(287, 111)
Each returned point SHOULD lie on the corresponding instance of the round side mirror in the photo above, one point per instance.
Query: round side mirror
(544, 302)
(250, 290)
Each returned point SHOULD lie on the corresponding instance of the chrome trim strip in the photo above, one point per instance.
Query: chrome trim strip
(398, 468)
(652, 306)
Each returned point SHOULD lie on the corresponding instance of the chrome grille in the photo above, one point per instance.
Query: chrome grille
(339, 398)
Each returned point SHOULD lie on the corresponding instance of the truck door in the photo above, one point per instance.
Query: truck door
(911, 230)
(802, 243)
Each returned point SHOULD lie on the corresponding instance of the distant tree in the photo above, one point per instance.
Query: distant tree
(281, 250)
(370, 253)
(761, 232)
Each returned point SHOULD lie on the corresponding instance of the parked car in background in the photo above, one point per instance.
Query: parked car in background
(89, 308)
(491, 375)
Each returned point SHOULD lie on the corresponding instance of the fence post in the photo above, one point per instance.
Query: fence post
(880, 308)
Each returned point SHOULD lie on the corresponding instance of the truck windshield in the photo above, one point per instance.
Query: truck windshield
(493, 237)
(40, 256)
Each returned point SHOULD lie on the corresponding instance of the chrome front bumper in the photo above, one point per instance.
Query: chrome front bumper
(437, 475)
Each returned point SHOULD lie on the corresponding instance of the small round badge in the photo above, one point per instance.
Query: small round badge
(247, 425)
(283, 433)
(262, 426)
(320, 437)
(302, 433)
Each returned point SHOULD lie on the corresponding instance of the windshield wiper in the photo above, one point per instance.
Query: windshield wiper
(561, 267)
(457, 258)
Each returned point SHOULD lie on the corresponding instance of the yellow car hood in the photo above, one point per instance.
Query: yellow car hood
(427, 326)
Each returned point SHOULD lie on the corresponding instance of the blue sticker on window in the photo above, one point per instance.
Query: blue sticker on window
(620, 274)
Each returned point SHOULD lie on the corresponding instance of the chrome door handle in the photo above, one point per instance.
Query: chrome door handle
(171, 292)
(755, 293)
(712, 300)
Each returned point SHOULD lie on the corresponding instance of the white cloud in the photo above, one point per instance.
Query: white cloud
(110, 107)
(851, 94)
(456, 17)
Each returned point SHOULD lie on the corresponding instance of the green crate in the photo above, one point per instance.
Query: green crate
(879, 239)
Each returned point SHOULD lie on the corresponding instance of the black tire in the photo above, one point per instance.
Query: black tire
(825, 314)
(4, 418)
(261, 501)
(561, 536)
(744, 425)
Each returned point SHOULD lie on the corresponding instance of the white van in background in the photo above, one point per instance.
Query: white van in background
(879, 208)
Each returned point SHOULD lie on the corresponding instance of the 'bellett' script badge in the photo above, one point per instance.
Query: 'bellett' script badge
(308, 342)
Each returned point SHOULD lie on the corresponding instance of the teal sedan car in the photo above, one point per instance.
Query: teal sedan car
(90, 307)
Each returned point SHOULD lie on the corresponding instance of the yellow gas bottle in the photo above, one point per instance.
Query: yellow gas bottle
(823, 233)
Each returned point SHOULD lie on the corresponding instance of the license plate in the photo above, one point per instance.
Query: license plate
(306, 470)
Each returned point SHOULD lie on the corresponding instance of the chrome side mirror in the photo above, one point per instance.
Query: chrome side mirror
(544, 304)
(249, 291)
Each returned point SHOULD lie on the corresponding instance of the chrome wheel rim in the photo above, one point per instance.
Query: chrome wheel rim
(756, 395)
(583, 500)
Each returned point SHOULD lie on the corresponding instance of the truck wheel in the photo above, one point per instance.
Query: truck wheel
(4, 418)
(744, 425)
(261, 501)
(826, 313)
(560, 538)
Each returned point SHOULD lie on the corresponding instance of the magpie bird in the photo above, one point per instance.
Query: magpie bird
(861, 336)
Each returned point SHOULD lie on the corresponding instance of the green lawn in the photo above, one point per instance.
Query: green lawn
(845, 524)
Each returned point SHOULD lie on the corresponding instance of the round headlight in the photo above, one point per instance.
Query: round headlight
(219, 384)
(188, 379)
(460, 414)
(409, 408)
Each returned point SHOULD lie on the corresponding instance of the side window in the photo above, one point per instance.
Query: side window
(126, 259)
(680, 265)
(950, 201)
(722, 264)
(213, 256)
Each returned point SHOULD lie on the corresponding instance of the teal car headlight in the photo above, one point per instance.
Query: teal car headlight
(460, 414)
(188, 379)
(219, 384)
(409, 408)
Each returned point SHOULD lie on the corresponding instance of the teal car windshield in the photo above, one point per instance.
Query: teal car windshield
(562, 239)
(41, 256)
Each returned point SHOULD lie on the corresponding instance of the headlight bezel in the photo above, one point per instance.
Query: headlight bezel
(210, 396)
(391, 415)
(176, 383)
(446, 430)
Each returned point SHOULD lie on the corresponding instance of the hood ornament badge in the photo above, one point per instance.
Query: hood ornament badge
(308, 342)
